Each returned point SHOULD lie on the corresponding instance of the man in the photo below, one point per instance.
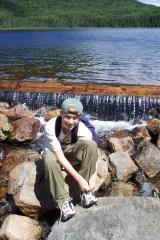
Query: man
(61, 151)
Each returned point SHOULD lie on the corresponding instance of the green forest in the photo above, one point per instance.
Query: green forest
(77, 13)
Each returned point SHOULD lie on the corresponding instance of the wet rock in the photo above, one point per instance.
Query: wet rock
(124, 165)
(103, 174)
(154, 128)
(51, 114)
(141, 133)
(120, 142)
(17, 112)
(4, 105)
(123, 189)
(25, 129)
(148, 158)
(155, 112)
(17, 227)
(154, 125)
(148, 189)
(5, 127)
(113, 218)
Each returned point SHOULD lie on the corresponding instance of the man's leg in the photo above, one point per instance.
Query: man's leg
(85, 152)
(53, 173)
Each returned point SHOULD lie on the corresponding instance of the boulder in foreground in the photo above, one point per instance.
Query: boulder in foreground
(113, 218)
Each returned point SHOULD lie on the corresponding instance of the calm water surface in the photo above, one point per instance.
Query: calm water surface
(128, 56)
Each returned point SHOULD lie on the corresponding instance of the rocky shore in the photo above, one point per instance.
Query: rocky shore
(128, 182)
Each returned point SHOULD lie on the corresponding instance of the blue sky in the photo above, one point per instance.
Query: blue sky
(153, 2)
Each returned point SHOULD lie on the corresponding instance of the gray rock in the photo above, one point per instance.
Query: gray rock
(124, 165)
(148, 159)
(135, 218)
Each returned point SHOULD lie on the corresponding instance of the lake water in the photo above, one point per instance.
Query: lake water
(118, 56)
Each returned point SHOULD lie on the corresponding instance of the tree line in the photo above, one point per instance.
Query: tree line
(74, 13)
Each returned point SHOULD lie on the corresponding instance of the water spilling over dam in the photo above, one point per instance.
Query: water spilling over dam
(100, 106)
(105, 102)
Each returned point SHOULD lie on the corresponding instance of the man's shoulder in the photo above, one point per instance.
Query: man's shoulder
(51, 123)
(83, 129)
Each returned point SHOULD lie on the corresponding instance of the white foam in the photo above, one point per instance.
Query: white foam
(106, 126)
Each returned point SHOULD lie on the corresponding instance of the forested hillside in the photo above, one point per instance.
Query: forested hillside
(77, 13)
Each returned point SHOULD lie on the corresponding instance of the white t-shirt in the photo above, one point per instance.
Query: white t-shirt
(53, 143)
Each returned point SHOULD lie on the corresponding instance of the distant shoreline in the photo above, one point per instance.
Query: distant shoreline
(70, 28)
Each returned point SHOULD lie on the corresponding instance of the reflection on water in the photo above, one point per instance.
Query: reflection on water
(128, 56)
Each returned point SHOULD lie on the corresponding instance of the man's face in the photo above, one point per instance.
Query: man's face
(69, 121)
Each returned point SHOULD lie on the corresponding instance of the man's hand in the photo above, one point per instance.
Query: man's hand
(84, 186)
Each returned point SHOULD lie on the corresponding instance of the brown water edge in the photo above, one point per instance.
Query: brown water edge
(80, 88)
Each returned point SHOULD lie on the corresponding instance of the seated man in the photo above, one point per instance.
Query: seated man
(61, 148)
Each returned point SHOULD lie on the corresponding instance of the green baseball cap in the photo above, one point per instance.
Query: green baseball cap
(72, 103)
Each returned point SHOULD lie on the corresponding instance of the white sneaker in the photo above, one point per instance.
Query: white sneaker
(88, 199)
(67, 210)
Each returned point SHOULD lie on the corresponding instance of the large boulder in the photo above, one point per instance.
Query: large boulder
(17, 227)
(51, 114)
(154, 126)
(148, 158)
(17, 112)
(141, 133)
(13, 156)
(124, 165)
(120, 142)
(103, 174)
(132, 218)
(25, 129)
(23, 186)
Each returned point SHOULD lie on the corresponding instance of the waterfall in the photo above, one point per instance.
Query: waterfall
(99, 106)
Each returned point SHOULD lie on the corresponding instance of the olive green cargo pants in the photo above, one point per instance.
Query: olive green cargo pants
(83, 153)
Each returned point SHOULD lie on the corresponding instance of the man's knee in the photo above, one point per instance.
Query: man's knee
(89, 144)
